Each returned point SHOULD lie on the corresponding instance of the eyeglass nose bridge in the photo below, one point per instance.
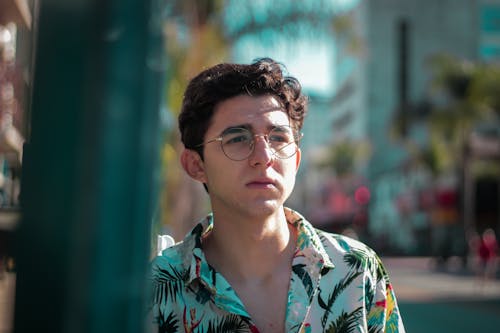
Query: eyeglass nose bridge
(268, 144)
(265, 136)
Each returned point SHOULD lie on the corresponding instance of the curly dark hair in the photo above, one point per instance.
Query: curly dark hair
(224, 81)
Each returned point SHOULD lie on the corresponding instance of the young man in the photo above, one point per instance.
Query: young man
(253, 265)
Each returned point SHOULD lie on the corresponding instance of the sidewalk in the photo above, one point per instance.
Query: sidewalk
(415, 280)
(445, 300)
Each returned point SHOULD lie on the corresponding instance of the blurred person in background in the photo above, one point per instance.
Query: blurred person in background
(253, 265)
(487, 252)
(473, 242)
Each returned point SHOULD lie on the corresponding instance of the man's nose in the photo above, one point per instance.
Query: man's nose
(262, 152)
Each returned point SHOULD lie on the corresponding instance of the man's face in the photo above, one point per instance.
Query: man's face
(261, 183)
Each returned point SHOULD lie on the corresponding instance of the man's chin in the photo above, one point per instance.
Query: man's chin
(266, 206)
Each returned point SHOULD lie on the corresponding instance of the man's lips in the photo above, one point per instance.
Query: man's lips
(262, 183)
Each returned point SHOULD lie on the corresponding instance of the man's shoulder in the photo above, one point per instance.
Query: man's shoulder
(351, 255)
(341, 245)
(171, 262)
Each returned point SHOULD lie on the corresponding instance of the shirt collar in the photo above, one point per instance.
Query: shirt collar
(309, 250)
(193, 255)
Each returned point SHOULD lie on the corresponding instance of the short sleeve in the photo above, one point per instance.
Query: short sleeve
(384, 315)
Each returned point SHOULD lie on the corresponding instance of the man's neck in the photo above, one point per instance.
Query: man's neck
(249, 249)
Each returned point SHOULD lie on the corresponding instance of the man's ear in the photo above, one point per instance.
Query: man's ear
(193, 165)
(298, 156)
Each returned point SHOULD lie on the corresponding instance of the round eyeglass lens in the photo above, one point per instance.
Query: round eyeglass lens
(237, 143)
(282, 141)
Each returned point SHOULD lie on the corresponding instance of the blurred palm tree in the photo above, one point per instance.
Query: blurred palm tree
(194, 40)
(466, 94)
(462, 95)
(344, 157)
(199, 34)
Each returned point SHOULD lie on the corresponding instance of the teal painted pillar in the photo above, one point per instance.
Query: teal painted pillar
(89, 168)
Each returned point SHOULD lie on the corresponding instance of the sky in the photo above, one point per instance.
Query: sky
(312, 62)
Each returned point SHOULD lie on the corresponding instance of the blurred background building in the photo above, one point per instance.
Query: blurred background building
(424, 64)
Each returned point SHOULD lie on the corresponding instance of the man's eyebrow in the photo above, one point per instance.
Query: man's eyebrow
(232, 128)
(250, 127)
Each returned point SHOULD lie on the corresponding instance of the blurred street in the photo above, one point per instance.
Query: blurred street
(430, 300)
(446, 300)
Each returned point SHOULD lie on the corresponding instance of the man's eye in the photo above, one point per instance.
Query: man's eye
(280, 138)
(277, 138)
(236, 139)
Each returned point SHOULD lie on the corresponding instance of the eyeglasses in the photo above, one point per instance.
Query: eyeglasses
(238, 143)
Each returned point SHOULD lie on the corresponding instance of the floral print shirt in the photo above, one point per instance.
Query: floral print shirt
(337, 285)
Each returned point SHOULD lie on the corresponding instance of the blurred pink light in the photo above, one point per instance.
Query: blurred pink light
(362, 195)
